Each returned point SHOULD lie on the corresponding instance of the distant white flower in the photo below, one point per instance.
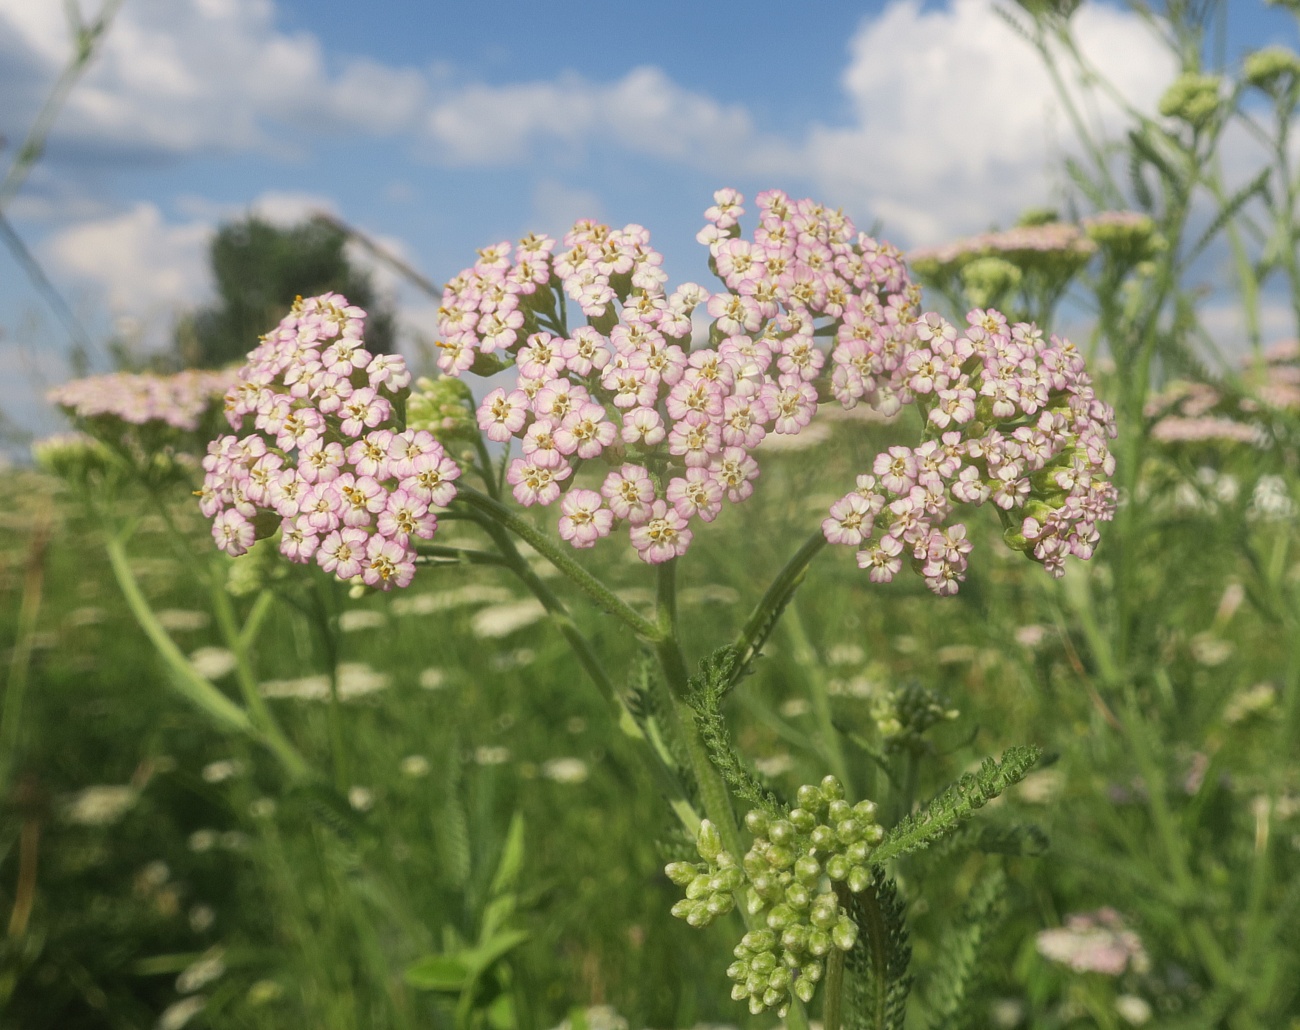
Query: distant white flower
(201, 918)
(1209, 650)
(1029, 637)
(1256, 700)
(306, 688)
(845, 654)
(504, 661)
(85, 616)
(1042, 786)
(1270, 500)
(487, 755)
(433, 679)
(776, 765)
(415, 766)
(211, 966)
(264, 992)
(153, 876)
(503, 619)
(183, 620)
(565, 770)
(176, 1016)
(447, 600)
(1007, 1013)
(361, 618)
(598, 1017)
(361, 799)
(100, 806)
(203, 840)
(261, 808)
(213, 662)
(357, 679)
(225, 769)
(1133, 1010)
(795, 707)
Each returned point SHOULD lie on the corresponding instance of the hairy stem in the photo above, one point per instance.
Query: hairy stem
(556, 554)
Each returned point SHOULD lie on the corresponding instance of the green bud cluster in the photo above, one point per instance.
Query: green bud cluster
(1193, 98)
(1274, 70)
(711, 884)
(790, 877)
(443, 406)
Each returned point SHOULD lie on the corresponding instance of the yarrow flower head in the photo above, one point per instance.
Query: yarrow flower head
(156, 424)
(326, 461)
(674, 424)
(1010, 419)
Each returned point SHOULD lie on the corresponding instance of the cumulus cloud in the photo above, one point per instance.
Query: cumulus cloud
(141, 264)
(644, 112)
(956, 120)
(182, 76)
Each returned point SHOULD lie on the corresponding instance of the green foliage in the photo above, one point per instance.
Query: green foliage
(963, 948)
(876, 977)
(959, 802)
(259, 269)
(709, 687)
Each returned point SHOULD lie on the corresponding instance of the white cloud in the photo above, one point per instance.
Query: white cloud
(181, 76)
(141, 264)
(956, 118)
(645, 112)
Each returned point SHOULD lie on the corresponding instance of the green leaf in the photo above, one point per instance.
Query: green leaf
(1227, 212)
(481, 958)
(962, 948)
(876, 980)
(956, 804)
(512, 857)
(447, 974)
(708, 688)
(496, 914)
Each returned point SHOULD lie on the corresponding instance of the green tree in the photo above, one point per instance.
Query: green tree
(259, 269)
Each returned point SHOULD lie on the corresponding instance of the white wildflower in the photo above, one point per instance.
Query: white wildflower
(211, 966)
(101, 805)
(361, 618)
(362, 799)
(220, 771)
(213, 662)
(183, 620)
(565, 770)
(415, 766)
(177, 1015)
(503, 619)
(487, 755)
(433, 679)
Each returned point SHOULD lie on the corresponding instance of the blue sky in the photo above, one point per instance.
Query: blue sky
(439, 128)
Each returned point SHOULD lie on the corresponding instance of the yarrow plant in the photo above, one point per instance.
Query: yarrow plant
(650, 418)
(326, 462)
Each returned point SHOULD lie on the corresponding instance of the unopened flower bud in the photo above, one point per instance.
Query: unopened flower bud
(756, 822)
(709, 842)
(802, 820)
(832, 789)
(781, 832)
(845, 934)
(681, 873)
(807, 870)
(837, 867)
(859, 878)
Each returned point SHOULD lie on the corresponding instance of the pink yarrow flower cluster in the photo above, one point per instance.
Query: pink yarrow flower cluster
(674, 425)
(1011, 419)
(326, 461)
(177, 401)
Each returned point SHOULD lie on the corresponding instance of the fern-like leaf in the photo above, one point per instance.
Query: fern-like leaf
(876, 977)
(708, 688)
(956, 804)
(958, 965)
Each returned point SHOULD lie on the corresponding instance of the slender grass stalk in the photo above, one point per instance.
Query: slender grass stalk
(20, 661)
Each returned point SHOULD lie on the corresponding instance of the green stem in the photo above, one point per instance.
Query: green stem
(659, 762)
(196, 689)
(714, 794)
(775, 598)
(833, 999)
(553, 552)
(828, 738)
(20, 662)
(239, 640)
